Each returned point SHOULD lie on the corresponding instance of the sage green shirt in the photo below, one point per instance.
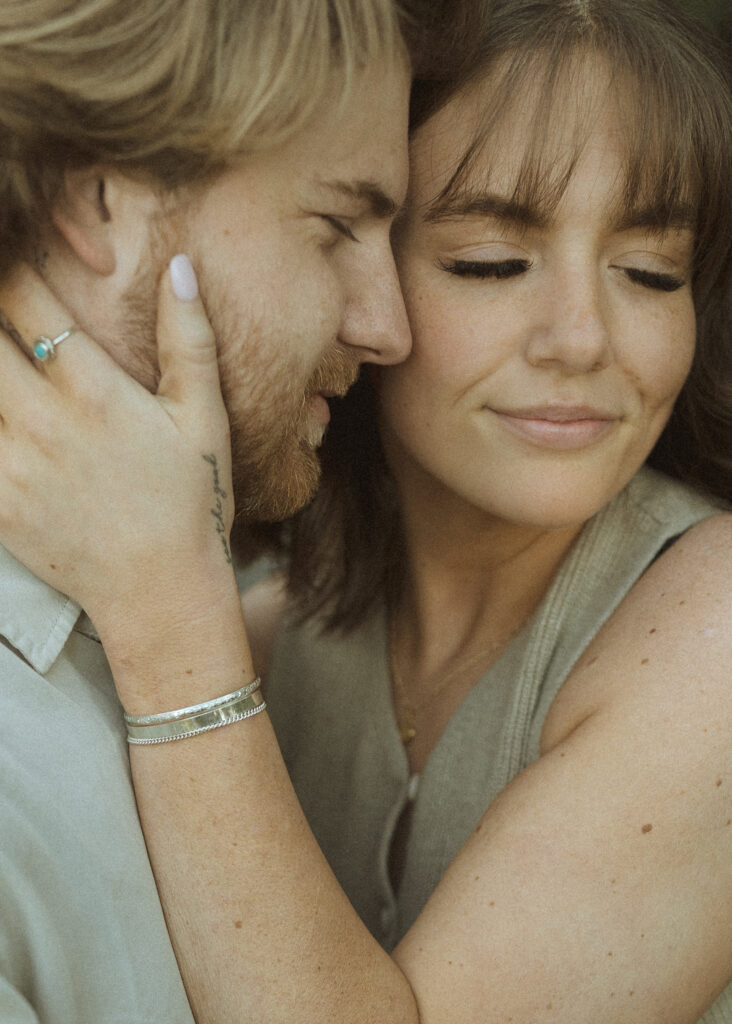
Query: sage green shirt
(329, 697)
(82, 934)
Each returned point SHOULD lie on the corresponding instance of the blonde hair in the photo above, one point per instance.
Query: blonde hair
(175, 88)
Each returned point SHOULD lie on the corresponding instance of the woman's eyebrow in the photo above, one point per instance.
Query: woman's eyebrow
(659, 218)
(485, 204)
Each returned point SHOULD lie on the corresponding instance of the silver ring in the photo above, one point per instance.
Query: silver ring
(44, 349)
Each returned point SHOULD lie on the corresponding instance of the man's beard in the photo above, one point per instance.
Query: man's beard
(274, 439)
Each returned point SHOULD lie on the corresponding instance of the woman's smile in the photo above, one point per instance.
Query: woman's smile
(555, 426)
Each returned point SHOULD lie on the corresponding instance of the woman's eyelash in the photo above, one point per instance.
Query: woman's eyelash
(340, 226)
(661, 282)
(512, 268)
(482, 268)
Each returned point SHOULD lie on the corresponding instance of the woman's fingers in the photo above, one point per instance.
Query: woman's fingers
(19, 378)
(77, 365)
(81, 384)
(186, 343)
(36, 314)
(16, 369)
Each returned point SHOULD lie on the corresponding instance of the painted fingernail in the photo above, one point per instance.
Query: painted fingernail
(183, 278)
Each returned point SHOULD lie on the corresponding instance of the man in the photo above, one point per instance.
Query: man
(267, 142)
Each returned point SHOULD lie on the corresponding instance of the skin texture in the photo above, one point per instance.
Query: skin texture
(564, 904)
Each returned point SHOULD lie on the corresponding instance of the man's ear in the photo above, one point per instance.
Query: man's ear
(82, 215)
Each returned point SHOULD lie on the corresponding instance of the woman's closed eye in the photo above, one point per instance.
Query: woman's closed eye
(653, 279)
(503, 269)
(497, 269)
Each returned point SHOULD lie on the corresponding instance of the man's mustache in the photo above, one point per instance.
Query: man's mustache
(337, 372)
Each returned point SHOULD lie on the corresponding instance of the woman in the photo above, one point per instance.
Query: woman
(555, 614)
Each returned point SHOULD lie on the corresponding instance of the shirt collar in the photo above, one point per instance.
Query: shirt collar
(34, 618)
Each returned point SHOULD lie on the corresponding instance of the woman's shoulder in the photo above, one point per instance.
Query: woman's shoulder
(264, 606)
(668, 637)
(663, 502)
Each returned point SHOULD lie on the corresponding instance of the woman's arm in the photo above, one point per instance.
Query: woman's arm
(563, 904)
(597, 887)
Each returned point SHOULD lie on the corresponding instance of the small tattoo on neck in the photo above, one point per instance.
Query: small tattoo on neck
(218, 511)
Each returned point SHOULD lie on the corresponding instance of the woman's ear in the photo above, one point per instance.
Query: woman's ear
(82, 215)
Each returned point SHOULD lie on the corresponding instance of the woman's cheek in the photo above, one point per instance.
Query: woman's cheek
(664, 367)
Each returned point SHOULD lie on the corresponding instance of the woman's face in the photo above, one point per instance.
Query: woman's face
(548, 349)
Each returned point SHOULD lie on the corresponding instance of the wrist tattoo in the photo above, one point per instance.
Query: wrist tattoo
(218, 511)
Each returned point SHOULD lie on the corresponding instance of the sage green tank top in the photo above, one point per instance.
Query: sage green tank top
(341, 742)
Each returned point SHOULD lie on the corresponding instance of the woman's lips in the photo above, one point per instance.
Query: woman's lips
(560, 427)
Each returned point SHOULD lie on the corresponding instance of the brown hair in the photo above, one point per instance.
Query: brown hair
(345, 552)
(175, 88)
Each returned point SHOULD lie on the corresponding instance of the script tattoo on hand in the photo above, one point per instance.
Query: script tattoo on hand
(218, 511)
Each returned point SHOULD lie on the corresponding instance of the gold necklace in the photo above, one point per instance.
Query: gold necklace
(407, 724)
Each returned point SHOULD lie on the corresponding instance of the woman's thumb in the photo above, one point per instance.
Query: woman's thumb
(186, 342)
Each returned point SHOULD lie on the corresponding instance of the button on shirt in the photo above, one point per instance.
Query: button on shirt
(82, 934)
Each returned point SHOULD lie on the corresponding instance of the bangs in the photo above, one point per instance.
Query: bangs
(672, 106)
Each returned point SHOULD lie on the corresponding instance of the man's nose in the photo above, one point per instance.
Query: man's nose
(375, 321)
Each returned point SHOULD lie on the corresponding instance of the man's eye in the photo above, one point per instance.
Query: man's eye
(340, 226)
(650, 279)
(482, 268)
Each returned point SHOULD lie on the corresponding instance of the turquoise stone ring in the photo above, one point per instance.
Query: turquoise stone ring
(44, 349)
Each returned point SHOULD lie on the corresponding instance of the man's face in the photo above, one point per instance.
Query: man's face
(293, 255)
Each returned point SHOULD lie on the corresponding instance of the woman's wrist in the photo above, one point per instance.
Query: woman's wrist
(177, 645)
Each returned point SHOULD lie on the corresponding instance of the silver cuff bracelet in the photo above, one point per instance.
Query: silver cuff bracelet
(190, 721)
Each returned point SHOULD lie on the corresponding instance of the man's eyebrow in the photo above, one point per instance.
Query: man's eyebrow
(485, 204)
(379, 203)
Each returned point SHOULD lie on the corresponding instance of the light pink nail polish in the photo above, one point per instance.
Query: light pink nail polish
(183, 278)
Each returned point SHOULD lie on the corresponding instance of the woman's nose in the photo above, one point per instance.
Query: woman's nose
(573, 330)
